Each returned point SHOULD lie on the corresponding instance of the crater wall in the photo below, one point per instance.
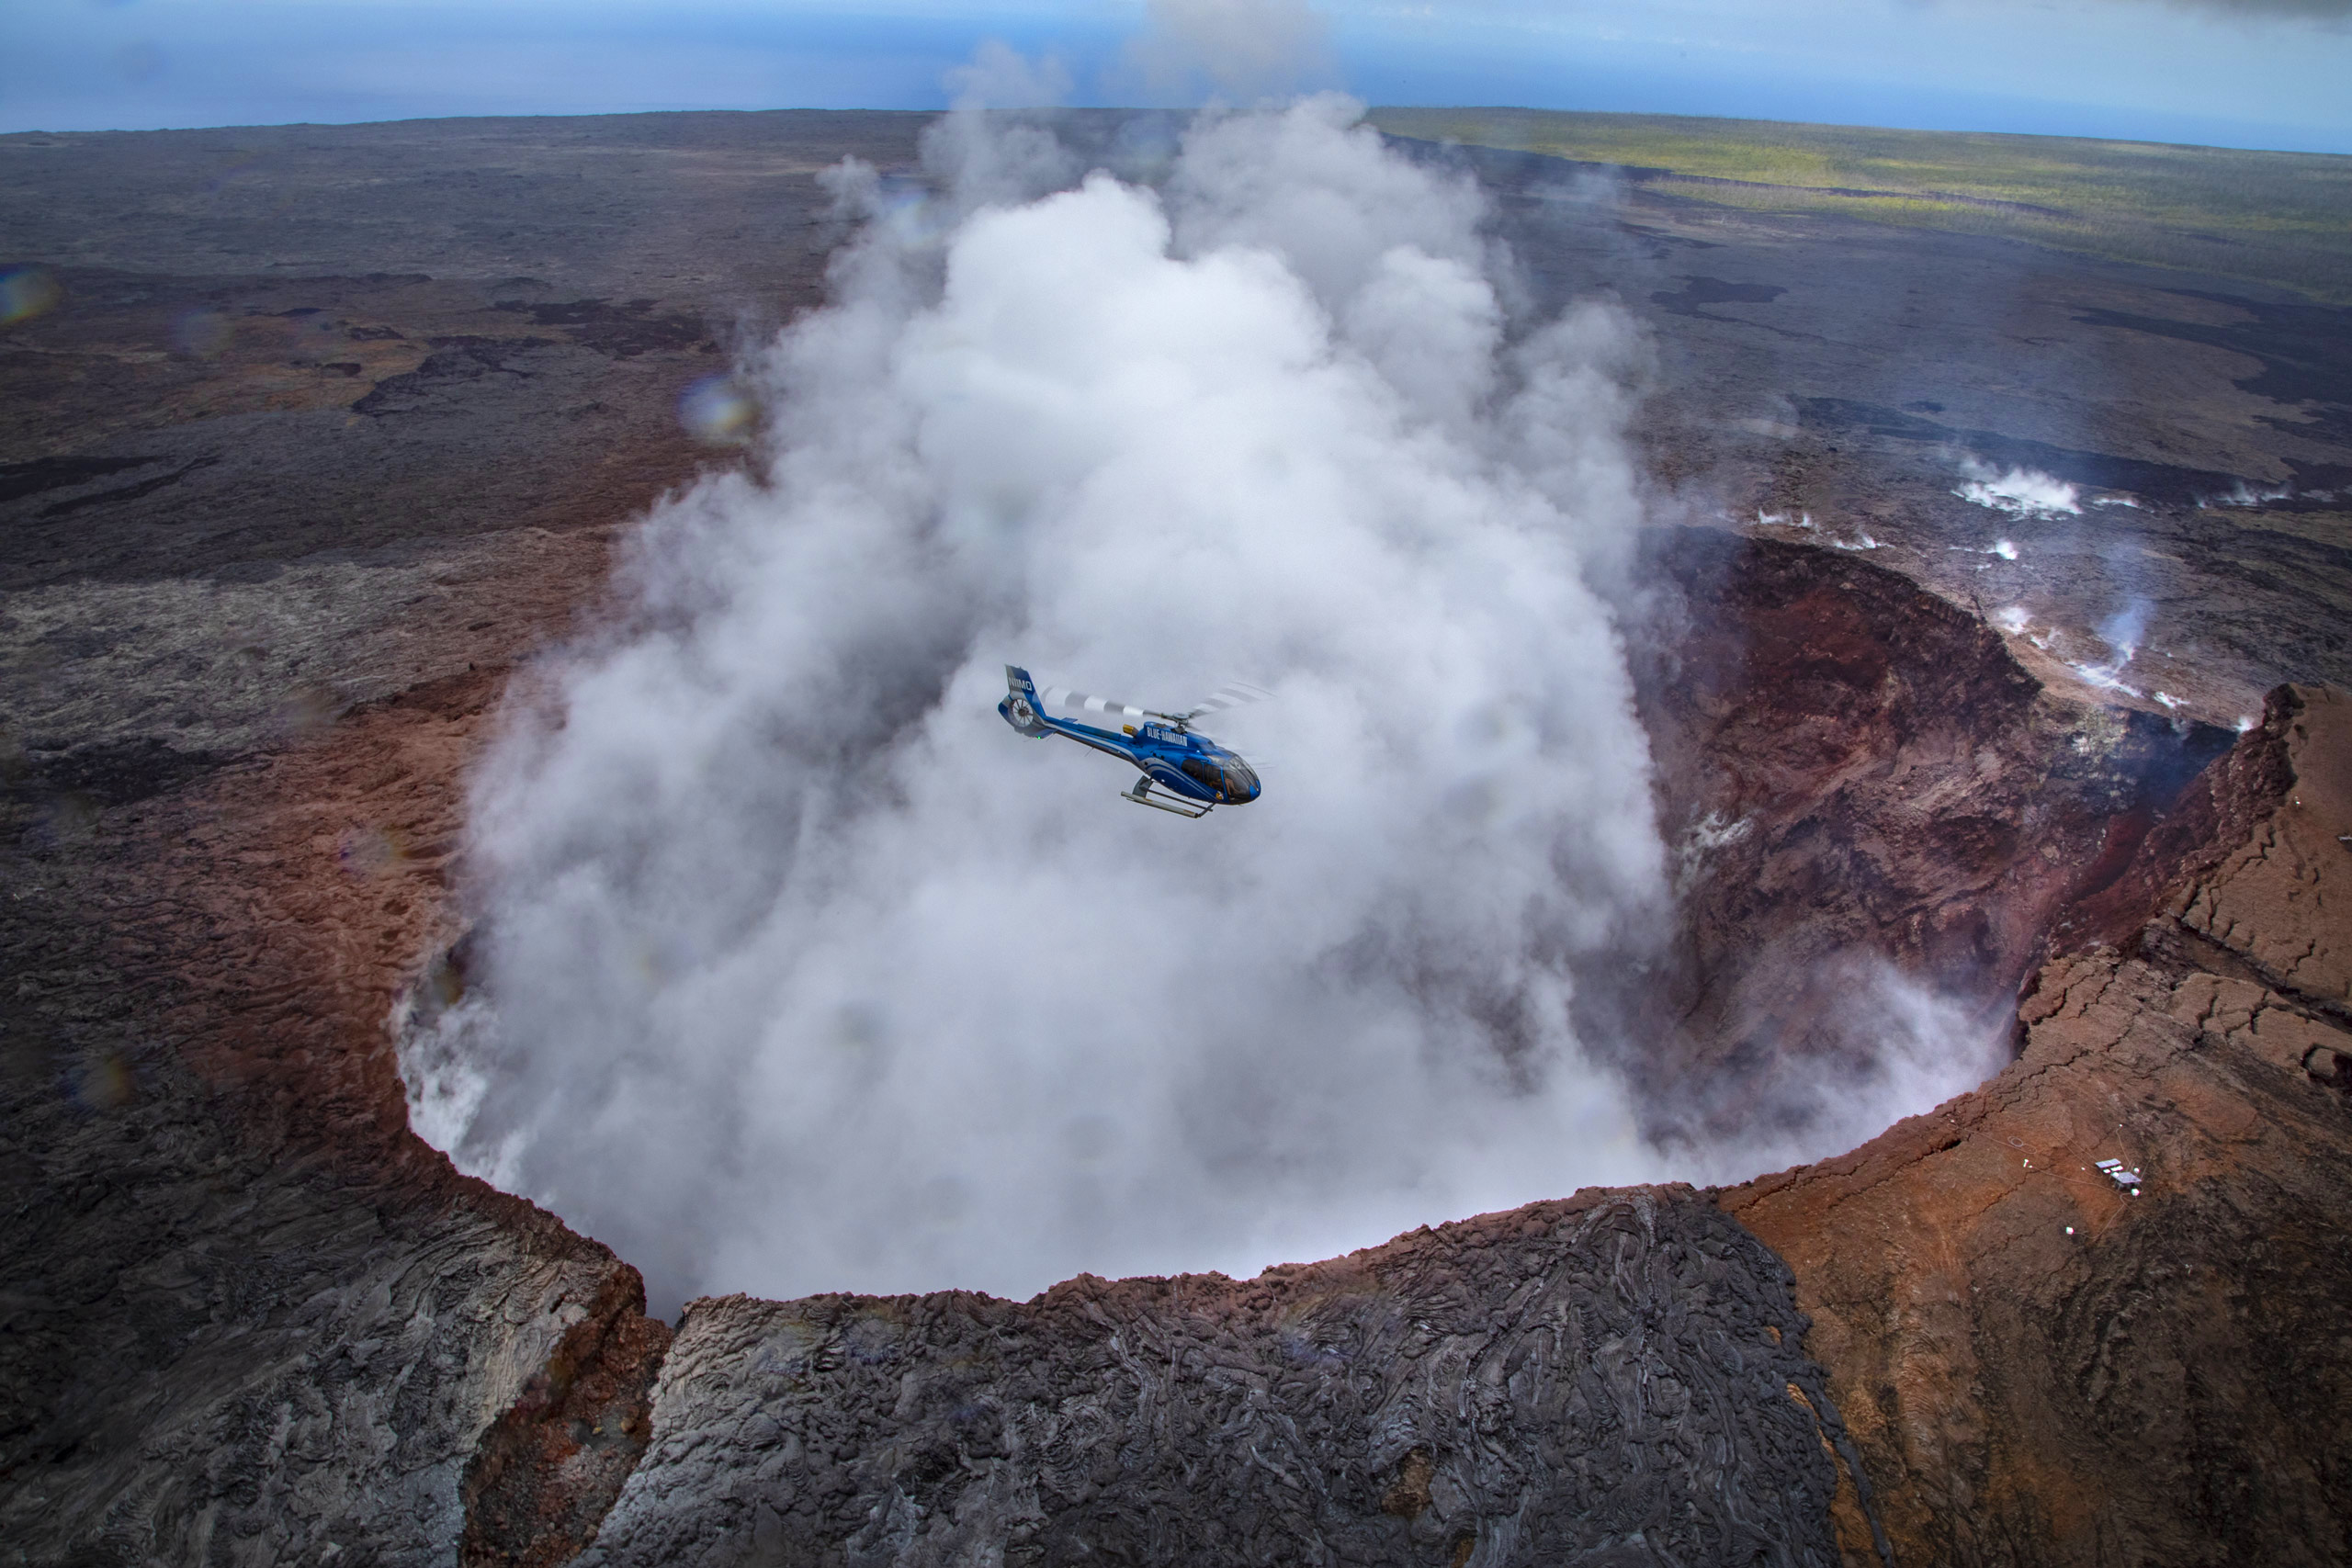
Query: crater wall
(257, 633)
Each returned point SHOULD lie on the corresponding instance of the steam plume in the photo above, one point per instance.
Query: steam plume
(2021, 492)
(797, 970)
(1245, 51)
(801, 971)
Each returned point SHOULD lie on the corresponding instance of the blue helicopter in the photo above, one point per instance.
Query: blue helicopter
(1184, 772)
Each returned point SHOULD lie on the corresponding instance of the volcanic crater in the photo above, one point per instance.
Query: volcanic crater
(261, 608)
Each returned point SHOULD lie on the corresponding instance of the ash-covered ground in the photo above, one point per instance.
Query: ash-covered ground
(336, 360)
(308, 435)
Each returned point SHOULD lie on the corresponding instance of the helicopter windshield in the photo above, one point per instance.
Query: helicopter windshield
(1224, 772)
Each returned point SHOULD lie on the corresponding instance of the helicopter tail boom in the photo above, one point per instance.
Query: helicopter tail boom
(1020, 705)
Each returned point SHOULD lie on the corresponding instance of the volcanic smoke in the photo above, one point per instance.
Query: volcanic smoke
(794, 969)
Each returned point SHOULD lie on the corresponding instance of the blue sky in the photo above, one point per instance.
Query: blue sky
(2236, 73)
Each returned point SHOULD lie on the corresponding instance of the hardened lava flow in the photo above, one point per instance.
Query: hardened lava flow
(257, 632)
(347, 1343)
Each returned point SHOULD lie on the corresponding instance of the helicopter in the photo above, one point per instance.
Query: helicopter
(1187, 773)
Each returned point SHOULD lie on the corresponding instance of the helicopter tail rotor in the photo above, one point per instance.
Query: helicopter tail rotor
(1021, 704)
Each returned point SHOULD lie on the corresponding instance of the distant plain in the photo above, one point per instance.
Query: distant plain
(2278, 217)
(321, 431)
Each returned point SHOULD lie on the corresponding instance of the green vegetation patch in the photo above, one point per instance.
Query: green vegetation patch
(2281, 218)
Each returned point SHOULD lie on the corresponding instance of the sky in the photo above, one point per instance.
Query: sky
(2227, 72)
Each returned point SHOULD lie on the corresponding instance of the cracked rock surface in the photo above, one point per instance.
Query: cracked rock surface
(2043, 1363)
(1612, 1379)
(248, 1317)
(332, 428)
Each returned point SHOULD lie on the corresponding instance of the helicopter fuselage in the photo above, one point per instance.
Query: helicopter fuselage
(1181, 762)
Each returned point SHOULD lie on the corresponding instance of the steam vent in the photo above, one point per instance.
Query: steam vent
(1925, 648)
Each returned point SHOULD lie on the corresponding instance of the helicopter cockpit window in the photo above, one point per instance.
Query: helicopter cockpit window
(1239, 782)
(1205, 772)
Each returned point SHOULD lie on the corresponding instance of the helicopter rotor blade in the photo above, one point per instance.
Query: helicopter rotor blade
(1232, 695)
(1062, 696)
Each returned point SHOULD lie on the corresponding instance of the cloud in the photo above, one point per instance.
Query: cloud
(796, 969)
(2264, 10)
(999, 77)
(1244, 51)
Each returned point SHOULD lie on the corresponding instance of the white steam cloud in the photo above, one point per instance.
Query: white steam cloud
(2124, 632)
(1244, 51)
(800, 970)
(2021, 492)
(1891, 1047)
(796, 969)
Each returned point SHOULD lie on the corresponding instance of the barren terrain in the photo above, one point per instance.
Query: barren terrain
(328, 428)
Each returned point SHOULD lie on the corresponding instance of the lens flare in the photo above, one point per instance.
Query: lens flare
(202, 335)
(27, 292)
(71, 817)
(370, 853)
(718, 411)
(307, 711)
(105, 1084)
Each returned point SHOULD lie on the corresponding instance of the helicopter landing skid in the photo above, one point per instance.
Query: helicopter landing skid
(1142, 795)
